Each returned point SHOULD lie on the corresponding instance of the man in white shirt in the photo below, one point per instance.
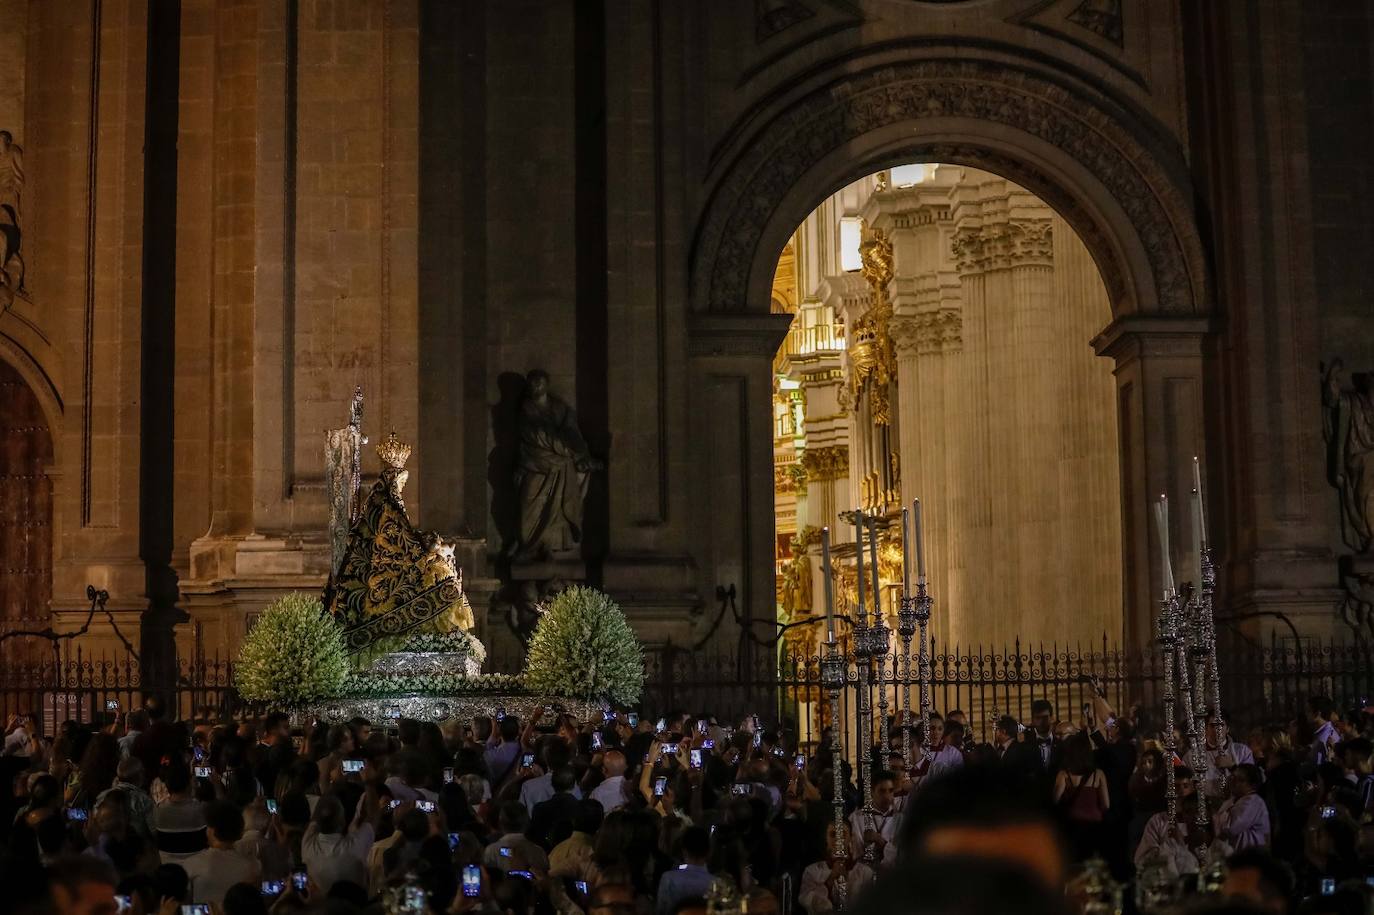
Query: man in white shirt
(135, 723)
(877, 828)
(611, 791)
(213, 871)
(332, 852)
(1243, 821)
(1220, 755)
(948, 756)
(820, 882)
(1320, 710)
(535, 791)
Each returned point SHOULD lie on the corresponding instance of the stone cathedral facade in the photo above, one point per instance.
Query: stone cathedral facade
(1147, 238)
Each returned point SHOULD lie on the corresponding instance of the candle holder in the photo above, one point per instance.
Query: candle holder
(906, 628)
(1169, 614)
(879, 644)
(924, 603)
(834, 675)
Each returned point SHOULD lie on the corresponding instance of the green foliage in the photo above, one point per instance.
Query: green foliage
(294, 653)
(583, 648)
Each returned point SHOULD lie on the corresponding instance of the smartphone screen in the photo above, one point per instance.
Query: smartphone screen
(273, 887)
(702, 726)
(1328, 886)
(448, 776)
(123, 904)
(393, 804)
(300, 880)
(271, 806)
(424, 806)
(581, 886)
(696, 759)
(453, 839)
(77, 814)
(353, 765)
(596, 740)
(527, 761)
(708, 744)
(204, 772)
(660, 785)
(661, 725)
(472, 881)
(505, 851)
(111, 705)
(799, 762)
(199, 754)
(634, 723)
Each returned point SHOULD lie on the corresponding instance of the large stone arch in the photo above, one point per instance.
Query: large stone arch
(1113, 172)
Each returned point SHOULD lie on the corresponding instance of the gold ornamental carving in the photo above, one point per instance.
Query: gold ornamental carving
(872, 356)
(825, 464)
(788, 478)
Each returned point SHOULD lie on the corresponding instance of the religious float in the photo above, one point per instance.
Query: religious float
(391, 635)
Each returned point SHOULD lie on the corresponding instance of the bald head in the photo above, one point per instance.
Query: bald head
(614, 763)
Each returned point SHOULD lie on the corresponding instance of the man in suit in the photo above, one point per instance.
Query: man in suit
(553, 819)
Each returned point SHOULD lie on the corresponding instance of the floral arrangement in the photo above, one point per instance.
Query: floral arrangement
(294, 653)
(455, 641)
(584, 648)
(370, 684)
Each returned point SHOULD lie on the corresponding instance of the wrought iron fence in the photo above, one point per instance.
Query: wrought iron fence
(1261, 682)
(69, 683)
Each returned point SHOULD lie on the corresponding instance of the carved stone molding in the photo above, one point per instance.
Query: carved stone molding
(927, 333)
(1002, 245)
(1146, 179)
(737, 335)
(824, 464)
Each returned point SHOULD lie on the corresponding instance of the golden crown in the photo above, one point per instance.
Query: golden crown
(393, 451)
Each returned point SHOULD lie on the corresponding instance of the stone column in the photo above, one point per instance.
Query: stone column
(1159, 386)
(971, 546)
(1089, 476)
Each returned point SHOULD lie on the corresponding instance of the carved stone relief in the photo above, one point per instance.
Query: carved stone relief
(771, 163)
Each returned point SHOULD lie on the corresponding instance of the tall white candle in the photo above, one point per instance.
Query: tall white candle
(859, 563)
(920, 542)
(906, 554)
(1201, 504)
(1162, 526)
(829, 586)
(1197, 533)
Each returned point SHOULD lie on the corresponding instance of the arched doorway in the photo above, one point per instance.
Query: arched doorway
(939, 349)
(1107, 168)
(26, 534)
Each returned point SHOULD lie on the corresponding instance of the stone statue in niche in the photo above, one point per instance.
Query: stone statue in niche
(551, 473)
(11, 232)
(1348, 427)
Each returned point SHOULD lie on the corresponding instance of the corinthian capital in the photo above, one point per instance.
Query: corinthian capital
(1002, 245)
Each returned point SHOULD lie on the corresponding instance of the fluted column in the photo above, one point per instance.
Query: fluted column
(971, 545)
(1090, 468)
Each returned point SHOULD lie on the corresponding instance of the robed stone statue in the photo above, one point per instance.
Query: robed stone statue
(1349, 432)
(551, 475)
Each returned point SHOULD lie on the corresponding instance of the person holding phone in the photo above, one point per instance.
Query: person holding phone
(538, 786)
(511, 850)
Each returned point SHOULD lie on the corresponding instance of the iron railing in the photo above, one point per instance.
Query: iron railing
(1261, 682)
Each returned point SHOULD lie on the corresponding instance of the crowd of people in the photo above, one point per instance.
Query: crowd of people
(628, 815)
